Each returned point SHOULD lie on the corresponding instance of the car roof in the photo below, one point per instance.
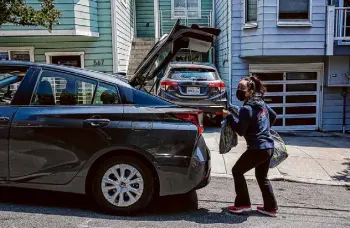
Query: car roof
(191, 64)
(116, 79)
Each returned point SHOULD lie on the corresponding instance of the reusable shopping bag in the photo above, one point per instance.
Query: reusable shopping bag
(280, 151)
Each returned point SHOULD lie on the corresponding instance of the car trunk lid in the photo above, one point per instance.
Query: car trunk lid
(195, 38)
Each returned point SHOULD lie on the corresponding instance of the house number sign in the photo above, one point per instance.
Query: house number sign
(98, 62)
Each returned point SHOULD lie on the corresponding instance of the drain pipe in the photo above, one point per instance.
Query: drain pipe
(344, 95)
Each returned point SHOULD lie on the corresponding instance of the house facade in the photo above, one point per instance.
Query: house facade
(299, 48)
(87, 36)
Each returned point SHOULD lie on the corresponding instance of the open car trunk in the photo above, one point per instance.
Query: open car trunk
(195, 38)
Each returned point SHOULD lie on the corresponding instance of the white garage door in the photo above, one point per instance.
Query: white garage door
(295, 97)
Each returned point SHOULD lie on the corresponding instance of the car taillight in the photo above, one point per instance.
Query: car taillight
(219, 85)
(164, 85)
(194, 117)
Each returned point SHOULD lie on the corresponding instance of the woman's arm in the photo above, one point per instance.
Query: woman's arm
(240, 124)
(272, 115)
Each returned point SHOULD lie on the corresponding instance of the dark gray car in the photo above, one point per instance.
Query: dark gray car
(195, 85)
(74, 130)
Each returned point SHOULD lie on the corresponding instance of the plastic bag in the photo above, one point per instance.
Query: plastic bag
(280, 151)
(228, 138)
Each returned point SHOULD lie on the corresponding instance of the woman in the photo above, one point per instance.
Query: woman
(253, 122)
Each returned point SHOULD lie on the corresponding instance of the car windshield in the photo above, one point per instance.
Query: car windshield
(199, 74)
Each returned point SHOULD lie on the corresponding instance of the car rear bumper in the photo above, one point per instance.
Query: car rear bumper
(195, 176)
(210, 109)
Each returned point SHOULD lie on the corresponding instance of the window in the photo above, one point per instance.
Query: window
(296, 10)
(106, 94)
(10, 79)
(75, 59)
(185, 8)
(17, 53)
(57, 88)
(251, 11)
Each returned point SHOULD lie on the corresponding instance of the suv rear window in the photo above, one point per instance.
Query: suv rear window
(200, 74)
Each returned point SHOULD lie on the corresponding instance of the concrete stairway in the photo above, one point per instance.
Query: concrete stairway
(139, 50)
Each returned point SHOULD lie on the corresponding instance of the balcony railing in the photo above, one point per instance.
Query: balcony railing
(167, 20)
(342, 23)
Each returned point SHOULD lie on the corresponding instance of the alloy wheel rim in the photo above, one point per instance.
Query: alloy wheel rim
(122, 185)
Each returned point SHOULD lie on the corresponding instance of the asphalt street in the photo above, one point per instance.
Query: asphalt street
(301, 205)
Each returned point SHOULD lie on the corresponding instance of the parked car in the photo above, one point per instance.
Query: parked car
(74, 130)
(196, 85)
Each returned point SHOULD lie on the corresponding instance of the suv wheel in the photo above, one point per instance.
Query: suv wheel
(122, 185)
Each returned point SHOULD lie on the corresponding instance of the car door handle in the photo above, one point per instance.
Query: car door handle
(97, 122)
(4, 118)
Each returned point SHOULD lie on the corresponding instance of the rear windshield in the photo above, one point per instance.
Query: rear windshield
(193, 74)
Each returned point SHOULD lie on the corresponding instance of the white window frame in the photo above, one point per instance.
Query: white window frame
(29, 49)
(48, 56)
(186, 17)
(297, 67)
(248, 25)
(292, 22)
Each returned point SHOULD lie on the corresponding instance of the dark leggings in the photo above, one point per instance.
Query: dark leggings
(260, 160)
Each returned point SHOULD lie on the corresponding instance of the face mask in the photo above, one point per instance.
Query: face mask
(240, 94)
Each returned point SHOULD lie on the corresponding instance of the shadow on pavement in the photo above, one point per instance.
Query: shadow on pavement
(345, 174)
(173, 208)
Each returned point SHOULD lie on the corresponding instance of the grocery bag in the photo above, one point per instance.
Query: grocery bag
(280, 151)
(228, 138)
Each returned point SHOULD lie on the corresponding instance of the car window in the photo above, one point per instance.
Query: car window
(10, 79)
(57, 88)
(134, 96)
(193, 74)
(106, 94)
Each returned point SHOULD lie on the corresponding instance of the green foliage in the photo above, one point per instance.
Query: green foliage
(19, 13)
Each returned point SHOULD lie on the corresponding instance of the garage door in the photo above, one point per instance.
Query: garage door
(295, 98)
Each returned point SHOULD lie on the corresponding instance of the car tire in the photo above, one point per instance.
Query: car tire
(99, 182)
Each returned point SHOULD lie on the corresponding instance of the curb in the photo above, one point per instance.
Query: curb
(291, 179)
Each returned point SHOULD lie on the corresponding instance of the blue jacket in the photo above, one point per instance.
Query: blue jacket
(253, 122)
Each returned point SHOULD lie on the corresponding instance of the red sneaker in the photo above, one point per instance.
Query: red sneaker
(239, 210)
(272, 213)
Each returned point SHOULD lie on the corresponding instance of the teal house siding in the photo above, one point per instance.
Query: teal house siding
(145, 18)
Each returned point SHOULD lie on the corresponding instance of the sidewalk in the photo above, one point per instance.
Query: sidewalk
(314, 157)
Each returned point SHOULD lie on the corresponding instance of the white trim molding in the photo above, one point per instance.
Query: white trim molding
(48, 56)
(292, 22)
(296, 67)
(114, 36)
(30, 49)
(156, 19)
(72, 32)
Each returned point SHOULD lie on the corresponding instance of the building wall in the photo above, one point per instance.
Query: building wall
(222, 46)
(270, 40)
(95, 48)
(125, 33)
(144, 16)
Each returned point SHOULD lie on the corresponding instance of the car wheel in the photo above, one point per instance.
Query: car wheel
(122, 185)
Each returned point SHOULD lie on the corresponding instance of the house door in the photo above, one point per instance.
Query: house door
(295, 98)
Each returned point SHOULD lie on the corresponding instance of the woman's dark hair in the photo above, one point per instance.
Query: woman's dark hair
(255, 84)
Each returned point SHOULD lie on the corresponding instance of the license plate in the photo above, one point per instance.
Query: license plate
(193, 90)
